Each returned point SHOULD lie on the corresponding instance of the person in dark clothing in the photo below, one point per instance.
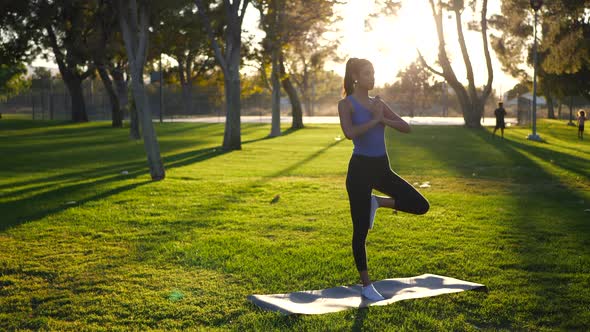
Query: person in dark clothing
(500, 113)
(363, 120)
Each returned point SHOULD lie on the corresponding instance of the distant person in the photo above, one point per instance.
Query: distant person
(581, 120)
(500, 113)
(363, 120)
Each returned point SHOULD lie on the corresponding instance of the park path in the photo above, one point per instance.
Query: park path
(427, 121)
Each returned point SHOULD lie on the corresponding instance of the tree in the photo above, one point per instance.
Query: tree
(104, 47)
(180, 35)
(564, 53)
(67, 24)
(289, 25)
(472, 102)
(12, 80)
(229, 60)
(58, 25)
(272, 19)
(19, 29)
(133, 19)
(517, 90)
(414, 84)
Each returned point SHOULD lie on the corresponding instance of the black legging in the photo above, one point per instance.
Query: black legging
(364, 175)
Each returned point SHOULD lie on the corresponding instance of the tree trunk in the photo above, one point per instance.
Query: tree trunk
(473, 116)
(133, 19)
(134, 132)
(275, 129)
(150, 142)
(232, 136)
(296, 111)
(185, 83)
(116, 114)
(74, 85)
(187, 98)
(559, 109)
(550, 108)
(71, 78)
(120, 88)
(230, 64)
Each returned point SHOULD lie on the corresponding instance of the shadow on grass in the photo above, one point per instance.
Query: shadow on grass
(534, 234)
(59, 189)
(359, 319)
(70, 185)
(300, 163)
(42, 205)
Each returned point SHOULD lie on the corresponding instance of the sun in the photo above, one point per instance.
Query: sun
(392, 42)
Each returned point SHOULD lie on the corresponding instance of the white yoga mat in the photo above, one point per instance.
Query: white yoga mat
(335, 299)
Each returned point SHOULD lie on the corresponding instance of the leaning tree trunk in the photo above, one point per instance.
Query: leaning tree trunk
(150, 142)
(133, 19)
(296, 110)
(116, 114)
(134, 132)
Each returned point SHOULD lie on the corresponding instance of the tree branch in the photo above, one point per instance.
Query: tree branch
(465, 54)
(423, 61)
(143, 37)
(484, 28)
(59, 58)
(241, 17)
(209, 28)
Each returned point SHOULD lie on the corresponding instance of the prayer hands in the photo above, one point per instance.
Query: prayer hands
(377, 109)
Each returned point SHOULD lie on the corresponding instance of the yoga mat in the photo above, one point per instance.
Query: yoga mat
(335, 299)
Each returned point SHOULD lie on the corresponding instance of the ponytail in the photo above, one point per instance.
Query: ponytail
(353, 66)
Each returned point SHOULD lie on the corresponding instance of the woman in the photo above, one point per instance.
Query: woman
(363, 120)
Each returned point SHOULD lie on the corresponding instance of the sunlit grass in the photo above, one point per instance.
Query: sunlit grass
(88, 242)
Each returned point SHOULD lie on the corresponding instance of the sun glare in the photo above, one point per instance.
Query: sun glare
(392, 43)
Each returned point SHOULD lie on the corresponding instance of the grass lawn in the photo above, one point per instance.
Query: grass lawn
(84, 246)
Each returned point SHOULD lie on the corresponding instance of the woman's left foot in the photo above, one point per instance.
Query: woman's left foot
(371, 293)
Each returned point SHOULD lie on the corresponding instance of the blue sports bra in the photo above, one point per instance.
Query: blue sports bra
(372, 142)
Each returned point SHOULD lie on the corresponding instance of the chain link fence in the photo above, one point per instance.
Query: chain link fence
(50, 100)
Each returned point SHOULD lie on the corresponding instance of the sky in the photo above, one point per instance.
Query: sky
(393, 42)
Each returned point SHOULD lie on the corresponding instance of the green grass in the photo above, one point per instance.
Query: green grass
(84, 246)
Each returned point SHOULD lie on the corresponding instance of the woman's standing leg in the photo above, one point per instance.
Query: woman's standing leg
(359, 194)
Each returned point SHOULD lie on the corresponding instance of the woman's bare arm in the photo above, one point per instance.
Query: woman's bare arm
(391, 119)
